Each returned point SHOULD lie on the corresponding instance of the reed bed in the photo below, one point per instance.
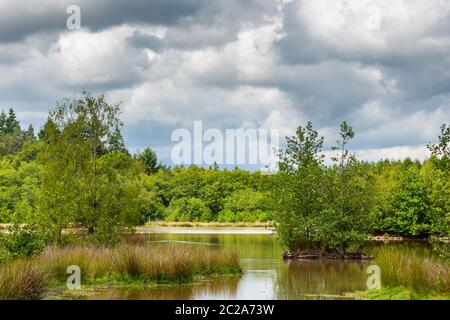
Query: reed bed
(420, 272)
(138, 263)
(21, 279)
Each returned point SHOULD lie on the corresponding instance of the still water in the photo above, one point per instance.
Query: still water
(265, 274)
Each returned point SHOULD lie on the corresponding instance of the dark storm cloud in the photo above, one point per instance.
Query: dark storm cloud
(21, 18)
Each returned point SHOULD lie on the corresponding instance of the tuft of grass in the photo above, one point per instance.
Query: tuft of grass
(23, 280)
(408, 269)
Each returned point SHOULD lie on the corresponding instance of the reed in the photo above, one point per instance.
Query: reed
(137, 263)
(22, 280)
(406, 268)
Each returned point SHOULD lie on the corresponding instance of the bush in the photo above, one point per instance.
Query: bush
(23, 241)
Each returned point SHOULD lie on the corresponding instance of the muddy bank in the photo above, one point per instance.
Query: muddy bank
(317, 254)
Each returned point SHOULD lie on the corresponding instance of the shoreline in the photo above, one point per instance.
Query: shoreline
(204, 230)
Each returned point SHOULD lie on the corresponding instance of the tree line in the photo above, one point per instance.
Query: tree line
(77, 172)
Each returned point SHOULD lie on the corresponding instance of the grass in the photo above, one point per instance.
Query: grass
(409, 275)
(398, 293)
(406, 268)
(126, 264)
(22, 279)
(189, 224)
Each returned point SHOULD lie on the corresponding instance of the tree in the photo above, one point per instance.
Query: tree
(82, 180)
(9, 124)
(189, 209)
(298, 194)
(410, 205)
(116, 143)
(442, 149)
(149, 160)
(346, 223)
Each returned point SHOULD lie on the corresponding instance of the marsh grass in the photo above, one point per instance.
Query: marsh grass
(138, 264)
(406, 268)
(22, 279)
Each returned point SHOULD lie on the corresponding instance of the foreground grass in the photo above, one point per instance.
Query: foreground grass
(189, 224)
(419, 272)
(408, 275)
(128, 264)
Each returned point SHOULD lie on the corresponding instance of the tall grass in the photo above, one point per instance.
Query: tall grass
(141, 263)
(21, 279)
(406, 268)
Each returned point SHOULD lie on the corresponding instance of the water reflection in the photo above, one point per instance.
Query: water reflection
(265, 274)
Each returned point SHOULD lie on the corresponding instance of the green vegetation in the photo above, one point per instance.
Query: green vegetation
(335, 208)
(78, 174)
(397, 293)
(22, 279)
(408, 274)
(421, 273)
(136, 263)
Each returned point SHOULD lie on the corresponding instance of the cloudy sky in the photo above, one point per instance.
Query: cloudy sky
(382, 65)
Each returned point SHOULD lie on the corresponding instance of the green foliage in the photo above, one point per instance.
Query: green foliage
(346, 224)
(149, 160)
(298, 194)
(244, 205)
(410, 207)
(318, 206)
(151, 207)
(23, 240)
(188, 209)
(84, 177)
(79, 173)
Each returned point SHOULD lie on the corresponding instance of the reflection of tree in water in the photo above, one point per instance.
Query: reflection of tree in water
(305, 279)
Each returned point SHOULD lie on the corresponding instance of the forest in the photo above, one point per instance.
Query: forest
(77, 172)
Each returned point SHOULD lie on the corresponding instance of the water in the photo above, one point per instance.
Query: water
(265, 274)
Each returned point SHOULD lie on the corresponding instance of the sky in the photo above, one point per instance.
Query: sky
(381, 65)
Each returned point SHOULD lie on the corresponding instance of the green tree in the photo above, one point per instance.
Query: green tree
(81, 180)
(297, 193)
(442, 149)
(346, 223)
(149, 160)
(410, 205)
(189, 209)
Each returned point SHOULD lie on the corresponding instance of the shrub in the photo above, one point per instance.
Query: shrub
(23, 241)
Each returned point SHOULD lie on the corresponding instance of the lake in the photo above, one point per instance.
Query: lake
(265, 274)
